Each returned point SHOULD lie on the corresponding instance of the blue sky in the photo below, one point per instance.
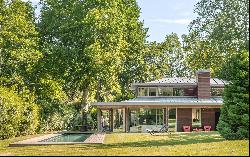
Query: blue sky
(163, 17)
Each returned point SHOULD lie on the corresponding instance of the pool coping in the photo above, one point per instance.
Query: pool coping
(95, 138)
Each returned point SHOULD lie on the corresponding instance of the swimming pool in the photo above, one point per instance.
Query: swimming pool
(62, 138)
(67, 138)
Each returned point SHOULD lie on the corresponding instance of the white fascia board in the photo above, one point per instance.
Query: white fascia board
(150, 103)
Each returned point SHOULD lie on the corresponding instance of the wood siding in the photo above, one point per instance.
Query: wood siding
(208, 117)
(184, 117)
(203, 82)
(190, 91)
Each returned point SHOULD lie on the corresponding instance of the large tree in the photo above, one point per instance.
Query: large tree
(133, 65)
(175, 56)
(220, 29)
(234, 119)
(18, 55)
(18, 44)
(86, 44)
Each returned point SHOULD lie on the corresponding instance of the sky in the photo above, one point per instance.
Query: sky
(162, 17)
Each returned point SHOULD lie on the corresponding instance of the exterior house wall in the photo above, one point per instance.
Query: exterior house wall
(190, 91)
(208, 117)
(184, 117)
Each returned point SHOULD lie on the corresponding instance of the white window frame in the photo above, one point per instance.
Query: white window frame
(139, 92)
(156, 90)
(195, 114)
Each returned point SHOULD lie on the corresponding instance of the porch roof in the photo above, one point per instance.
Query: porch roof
(163, 101)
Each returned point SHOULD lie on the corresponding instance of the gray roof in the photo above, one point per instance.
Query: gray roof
(165, 101)
(176, 99)
(214, 82)
(175, 80)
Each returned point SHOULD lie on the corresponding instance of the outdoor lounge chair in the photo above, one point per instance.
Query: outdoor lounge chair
(105, 128)
(186, 128)
(207, 127)
(163, 129)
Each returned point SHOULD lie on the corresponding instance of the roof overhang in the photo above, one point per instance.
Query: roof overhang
(156, 104)
(182, 85)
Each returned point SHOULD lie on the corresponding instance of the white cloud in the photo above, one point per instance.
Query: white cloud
(171, 21)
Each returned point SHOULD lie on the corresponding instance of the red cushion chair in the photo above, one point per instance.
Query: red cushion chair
(186, 128)
(207, 127)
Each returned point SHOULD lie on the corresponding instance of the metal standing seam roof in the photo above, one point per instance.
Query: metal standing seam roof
(165, 101)
(175, 99)
(181, 81)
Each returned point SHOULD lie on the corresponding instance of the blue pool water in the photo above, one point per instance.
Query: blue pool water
(68, 138)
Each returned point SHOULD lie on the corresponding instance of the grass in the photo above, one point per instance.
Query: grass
(209, 143)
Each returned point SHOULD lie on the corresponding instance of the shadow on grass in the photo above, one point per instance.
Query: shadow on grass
(171, 140)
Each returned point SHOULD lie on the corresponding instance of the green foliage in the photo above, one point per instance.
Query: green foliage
(10, 113)
(55, 116)
(220, 29)
(19, 44)
(174, 56)
(134, 67)
(30, 115)
(93, 118)
(234, 119)
(95, 47)
(17, 116)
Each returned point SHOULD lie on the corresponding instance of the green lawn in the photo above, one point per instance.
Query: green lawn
(140, 144)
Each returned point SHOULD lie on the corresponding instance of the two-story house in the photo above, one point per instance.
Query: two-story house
(176, 102)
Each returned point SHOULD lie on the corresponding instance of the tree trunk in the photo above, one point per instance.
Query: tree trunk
(98, 90)
(84, 109)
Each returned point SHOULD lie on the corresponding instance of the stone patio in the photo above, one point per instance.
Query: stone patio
(95, 138)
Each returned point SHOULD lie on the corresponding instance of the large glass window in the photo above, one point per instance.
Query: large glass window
(152, 91)
(172, 119)
(165, 91)
(142, 119)
(151, 117)
(196, 117)
(142, 91)
(216, 91)
(118, 120)
(178, 92)
(160, 91)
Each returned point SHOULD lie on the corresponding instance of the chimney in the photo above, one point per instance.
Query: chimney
(203, 82)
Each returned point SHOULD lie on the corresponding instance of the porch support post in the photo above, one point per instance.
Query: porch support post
(99, 123)
(111, 120)
(126, 119)
(176, 120)
(165, 115)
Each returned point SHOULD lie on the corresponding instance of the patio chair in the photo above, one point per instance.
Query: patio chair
(207, 127)
(186, 128)
(163, 129)
(105, 128)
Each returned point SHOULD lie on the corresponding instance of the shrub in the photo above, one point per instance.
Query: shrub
(234, 119)
(16, 115)
(11, 111)
(55, 116)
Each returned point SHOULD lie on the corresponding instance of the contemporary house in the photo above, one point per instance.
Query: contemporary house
(181, 103)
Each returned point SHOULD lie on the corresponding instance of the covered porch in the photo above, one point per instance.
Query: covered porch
(137, 115)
